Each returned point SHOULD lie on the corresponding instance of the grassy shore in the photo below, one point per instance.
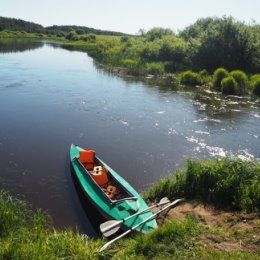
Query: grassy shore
(226, 183)
(25, 234)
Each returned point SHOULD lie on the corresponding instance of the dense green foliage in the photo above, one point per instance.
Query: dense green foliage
(225, 182)
(229, 86)
(224, 42)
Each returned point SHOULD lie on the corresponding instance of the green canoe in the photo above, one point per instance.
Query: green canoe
(114, 198)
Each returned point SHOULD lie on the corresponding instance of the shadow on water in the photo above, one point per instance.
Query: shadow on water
(19, 45)
(90, 211)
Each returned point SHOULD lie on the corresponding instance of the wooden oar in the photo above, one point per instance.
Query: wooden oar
(136, 226)
(110, 227)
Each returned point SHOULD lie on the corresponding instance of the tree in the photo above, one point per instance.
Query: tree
(72, 35)
(224, 42)
(157, 33)
(174, 50)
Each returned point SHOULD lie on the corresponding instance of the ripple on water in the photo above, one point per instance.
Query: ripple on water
(212, 150)
(256, 115)
(202, 132)
(206, 119)
(172, 131)
(124, 122)
(244, 155)
(160, 112)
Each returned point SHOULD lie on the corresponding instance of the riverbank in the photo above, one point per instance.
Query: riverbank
(192, 230)
(138, 57)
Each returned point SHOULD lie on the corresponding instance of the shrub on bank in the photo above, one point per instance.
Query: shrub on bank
(229, 86)
(241, 80)
(255, 84)
(256, 87)
(133, 66)
(205, 78)
(254, 78)
(89, 37)
(190, 78)
(155, 68)
(218, 76)
(227, 183)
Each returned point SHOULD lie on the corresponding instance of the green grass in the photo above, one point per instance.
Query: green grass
(171, 240)
(227, 183)
(184, 240)
(25, 234)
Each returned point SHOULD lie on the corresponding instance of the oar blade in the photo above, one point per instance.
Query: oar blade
(164, 200)
(106, 224)
(111, 231)
(110, 227)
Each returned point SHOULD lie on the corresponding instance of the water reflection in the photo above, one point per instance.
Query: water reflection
(19, 45)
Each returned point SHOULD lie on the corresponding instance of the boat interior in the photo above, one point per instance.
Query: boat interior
(102, 177)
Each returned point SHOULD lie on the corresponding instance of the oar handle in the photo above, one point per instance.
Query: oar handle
(142, 211)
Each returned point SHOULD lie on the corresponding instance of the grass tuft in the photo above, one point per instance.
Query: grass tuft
(227, 183)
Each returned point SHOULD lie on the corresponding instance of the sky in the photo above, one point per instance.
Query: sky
(128, 16)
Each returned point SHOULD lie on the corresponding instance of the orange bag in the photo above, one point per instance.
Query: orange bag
(87, 158)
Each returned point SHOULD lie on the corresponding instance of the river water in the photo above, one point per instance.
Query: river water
(51, 97)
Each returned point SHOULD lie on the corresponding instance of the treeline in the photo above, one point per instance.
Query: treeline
(63, 30)
(13, 24)
(223, 42)
(20, 25)
(208, 44)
